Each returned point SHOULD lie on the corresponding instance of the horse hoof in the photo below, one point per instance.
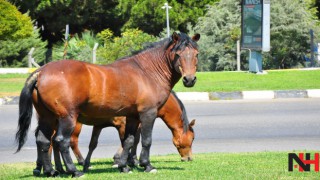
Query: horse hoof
(85, 169)
(153, 171)
(115, 166)
(53, 173)
(150, 169)
(61, 171)
(81, 163)
(77, 174)
(125, 170)
(36, 172)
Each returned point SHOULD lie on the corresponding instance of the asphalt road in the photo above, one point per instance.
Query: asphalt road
(221, 126)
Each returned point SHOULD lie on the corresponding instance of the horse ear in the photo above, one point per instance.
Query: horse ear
(196, 37)
(175, 37)
(192, 123)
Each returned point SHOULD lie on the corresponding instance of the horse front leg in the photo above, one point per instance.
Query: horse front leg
(147, 121)
(127, 143)
(133, 160)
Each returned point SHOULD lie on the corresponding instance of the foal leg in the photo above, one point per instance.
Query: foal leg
(65, 129)
(74, 143)
(147, 122)
(116, 157)
(92, 146)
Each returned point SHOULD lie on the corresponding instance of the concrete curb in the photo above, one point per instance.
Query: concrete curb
(16, 70)
(207, 96)
(248, 95)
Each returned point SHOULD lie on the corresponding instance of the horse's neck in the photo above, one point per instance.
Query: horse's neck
(173, 119)
(157, 66)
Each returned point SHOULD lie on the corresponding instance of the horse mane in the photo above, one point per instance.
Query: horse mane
(183, 42)
(184, 116)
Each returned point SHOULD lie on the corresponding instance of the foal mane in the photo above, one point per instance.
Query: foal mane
(184, 116)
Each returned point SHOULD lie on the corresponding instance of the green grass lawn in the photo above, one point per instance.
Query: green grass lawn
(11, 85)
(261, 165)
(243, 81)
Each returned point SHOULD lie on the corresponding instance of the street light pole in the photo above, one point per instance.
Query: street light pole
(167, 13)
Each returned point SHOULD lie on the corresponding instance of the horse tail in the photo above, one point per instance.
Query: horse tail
(25, 109)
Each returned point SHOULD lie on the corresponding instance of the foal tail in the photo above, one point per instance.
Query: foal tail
(25, 110)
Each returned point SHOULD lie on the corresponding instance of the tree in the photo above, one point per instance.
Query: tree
(291, 22)
(290, 34)
(148, 15)
(53, 16)
(116, 15)
(17, 37)
(14, 25)
(219, 29)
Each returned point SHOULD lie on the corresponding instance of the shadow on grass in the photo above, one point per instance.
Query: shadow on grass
(134, 169)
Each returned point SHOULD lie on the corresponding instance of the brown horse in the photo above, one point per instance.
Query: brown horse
(67, 91)
(173, 114)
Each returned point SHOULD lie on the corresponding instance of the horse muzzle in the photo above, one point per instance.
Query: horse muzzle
(185, 159)
(189, 80)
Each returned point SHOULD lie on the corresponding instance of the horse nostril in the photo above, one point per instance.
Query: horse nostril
(194, 79)
(185, 79)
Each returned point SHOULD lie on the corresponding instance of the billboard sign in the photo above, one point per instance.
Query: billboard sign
(251, 24)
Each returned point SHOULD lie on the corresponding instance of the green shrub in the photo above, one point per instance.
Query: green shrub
(79, 48)
(14, 25)
(14, 53)
(17, 37)
(116, 47)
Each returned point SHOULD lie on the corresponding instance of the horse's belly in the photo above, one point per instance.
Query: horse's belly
(94, 121)
(90, 113)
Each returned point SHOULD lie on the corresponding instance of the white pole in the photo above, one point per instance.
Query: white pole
(238, 56)
(167, 14)
(94, 52)
(30, 57)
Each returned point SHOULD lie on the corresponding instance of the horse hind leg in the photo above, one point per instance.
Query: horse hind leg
(37, 170)
(65, 129)
(43, 141)
(57, 159)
